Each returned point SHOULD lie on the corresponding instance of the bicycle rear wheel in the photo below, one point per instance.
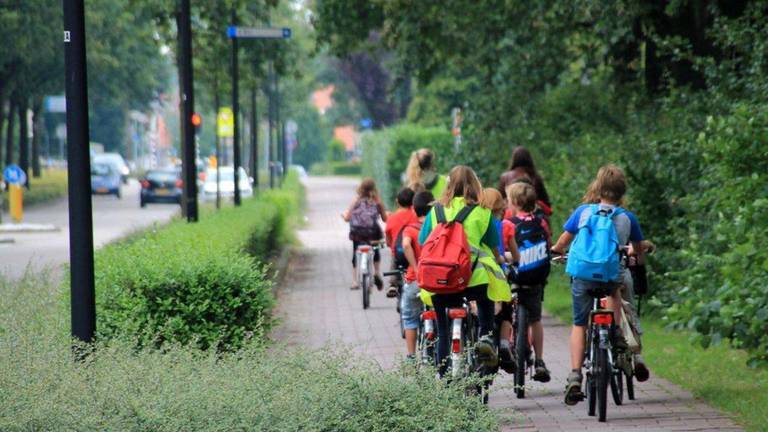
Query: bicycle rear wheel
(603, 377)
(366, 287)
(521, 350)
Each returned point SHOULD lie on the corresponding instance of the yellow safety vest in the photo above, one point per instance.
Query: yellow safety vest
(487, 270)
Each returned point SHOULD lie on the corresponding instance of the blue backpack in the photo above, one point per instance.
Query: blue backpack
(594, 254)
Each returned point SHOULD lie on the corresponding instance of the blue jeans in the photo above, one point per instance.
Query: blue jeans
(582, 299)
(410, 306)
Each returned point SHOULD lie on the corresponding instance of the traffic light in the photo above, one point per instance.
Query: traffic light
(197, 122)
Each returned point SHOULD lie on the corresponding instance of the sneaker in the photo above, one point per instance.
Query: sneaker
(573, 393)
(540, 372)
(392, 291)
(641, 370)
(507, 360)
(620, 344)
(486, 352)
(379, 282)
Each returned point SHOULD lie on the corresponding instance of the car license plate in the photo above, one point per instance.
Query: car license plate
(102, 190)
(162, 191)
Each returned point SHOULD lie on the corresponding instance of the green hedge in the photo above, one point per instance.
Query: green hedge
(121, 388)
(199, 283)
(386, 153)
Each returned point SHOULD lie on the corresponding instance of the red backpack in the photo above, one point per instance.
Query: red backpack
(445, 264)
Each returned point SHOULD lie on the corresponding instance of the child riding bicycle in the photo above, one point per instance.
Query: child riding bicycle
(610, 185)
(410, 302)
(363, 217)
(396, 223)
(530, 235)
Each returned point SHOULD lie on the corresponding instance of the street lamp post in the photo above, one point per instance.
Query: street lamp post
(83, 304)
(236, 112)
(188, 162)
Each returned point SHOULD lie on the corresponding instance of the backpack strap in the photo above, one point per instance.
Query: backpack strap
(464, 213)
(440, 214)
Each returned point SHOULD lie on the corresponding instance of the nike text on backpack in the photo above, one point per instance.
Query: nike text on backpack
(594, 254)
(363, 225)
(445, 264)
(400, 260)
(531, 239)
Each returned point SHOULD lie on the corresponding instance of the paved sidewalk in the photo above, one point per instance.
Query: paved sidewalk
(317, 307)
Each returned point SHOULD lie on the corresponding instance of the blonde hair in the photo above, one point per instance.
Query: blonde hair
(610, 185)
(462, 182)
(491, 199)
(522, 195)
(421, 160)
(367, 189)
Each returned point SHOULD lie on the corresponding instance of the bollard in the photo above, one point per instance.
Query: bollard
(15, 197)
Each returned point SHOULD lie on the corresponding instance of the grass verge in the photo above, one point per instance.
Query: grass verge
(718, 375)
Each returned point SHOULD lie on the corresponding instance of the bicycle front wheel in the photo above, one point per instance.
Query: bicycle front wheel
(617, 386)
(365, 286)
(521, 350)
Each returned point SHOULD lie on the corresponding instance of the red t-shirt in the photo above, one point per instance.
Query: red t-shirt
(395, 222)
(412, 232)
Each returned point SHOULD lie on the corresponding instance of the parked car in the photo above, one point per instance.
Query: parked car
(161, 185)
(104, 180)
(116, 161)
(226, 183)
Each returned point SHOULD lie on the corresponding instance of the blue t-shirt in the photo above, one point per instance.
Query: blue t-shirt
(627, 227)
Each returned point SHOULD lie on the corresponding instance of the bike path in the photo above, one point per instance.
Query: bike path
(316, 308)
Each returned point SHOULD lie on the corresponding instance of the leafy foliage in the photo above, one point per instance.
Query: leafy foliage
(197, 283)
(120, 387)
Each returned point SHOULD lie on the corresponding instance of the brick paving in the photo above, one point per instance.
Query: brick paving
(316, 307)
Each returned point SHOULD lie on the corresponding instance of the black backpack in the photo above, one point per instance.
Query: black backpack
(401, 261)
(531, 239)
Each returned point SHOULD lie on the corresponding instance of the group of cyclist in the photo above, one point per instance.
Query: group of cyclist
(502, 227)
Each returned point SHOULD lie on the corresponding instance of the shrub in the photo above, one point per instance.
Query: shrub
(120, 388)
(196, 283)
(724, 276)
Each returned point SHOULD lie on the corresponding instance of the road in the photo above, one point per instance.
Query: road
(112, 219)
(316, 307)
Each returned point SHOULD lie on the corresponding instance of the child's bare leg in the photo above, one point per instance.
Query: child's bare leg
(505, 332)
(538, 339)
(578, 338)
(410, 341)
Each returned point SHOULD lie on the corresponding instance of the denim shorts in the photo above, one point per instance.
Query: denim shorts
(410, 306)
(582, 300)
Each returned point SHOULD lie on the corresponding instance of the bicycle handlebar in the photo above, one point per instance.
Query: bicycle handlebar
(394, 273)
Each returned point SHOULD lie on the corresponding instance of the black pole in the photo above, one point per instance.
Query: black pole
(217, 142)
(271, 115)
(279, 125)
(236, 114)
(83, 304)
(188, 162)
(254, 140)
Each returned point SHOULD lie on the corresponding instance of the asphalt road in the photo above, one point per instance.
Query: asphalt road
(112, 218)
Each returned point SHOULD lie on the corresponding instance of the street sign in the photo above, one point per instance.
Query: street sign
(55, 104)
(235, 32)
(14, 175)
(225, 123)
(366, 123)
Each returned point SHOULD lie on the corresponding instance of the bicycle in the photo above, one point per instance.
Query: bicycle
(400, 275)
(599, 363)
(464, 335)
(522, 343)
(365, 269)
